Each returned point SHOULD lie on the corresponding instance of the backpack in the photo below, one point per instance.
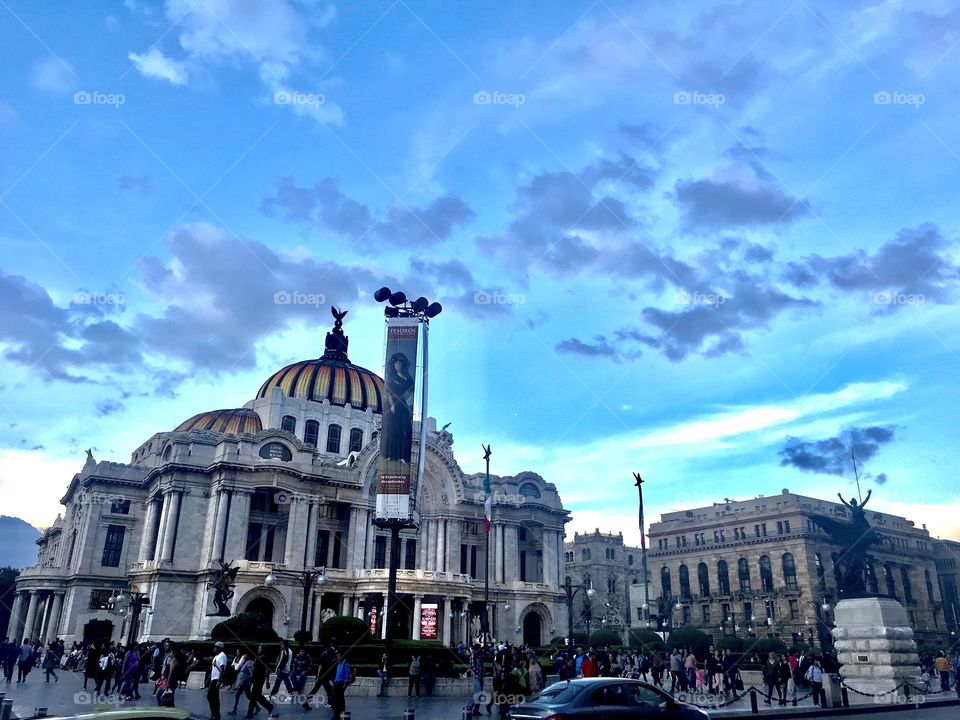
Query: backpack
(415, 666)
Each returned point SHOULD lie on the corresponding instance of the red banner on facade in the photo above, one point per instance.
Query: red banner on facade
(428, 621)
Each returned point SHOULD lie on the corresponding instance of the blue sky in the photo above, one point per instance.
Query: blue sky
(713, 243)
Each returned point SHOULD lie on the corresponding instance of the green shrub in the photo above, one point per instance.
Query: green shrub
(689, 637)
(647, 640)
(244, 628)
(344, 631)
(599, 638)
(734, 644)
(302, 637)
(765, 646)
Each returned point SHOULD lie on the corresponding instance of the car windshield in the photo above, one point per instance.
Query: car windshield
(557, 694)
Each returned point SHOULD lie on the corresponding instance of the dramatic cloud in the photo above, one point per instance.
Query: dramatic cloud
(154, 64)
(913, 265)
(832, 456)
(599, 348)
(326, 207)
(737, 196)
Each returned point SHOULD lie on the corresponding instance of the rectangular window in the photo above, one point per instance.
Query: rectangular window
(639, 614)
(473, 561)
(337, 546)
(113, 546)
(356, 440)
(716, 536)
(333, 439)
(120, 507)
(786, 526)
(763, 529)
(521, 534)
(706, 614)
(523, 566)
(268, 544)
(323, 548)
(794, 609)
(463, 559)
(380, 552)
(748, 612)
(410, 555)
(722, 538)
(253, 542)
(756, 530)
(779, 527)
(100, 599)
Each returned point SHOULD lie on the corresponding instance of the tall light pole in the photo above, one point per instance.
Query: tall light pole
(488, 515)
(307, 580)
(643, 548)
(138, 600)
(421, 310)
(571, 591)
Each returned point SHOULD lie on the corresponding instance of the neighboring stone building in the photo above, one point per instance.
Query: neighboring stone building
(603, 561)
(764, 567)
(287, 482)
(947, 554)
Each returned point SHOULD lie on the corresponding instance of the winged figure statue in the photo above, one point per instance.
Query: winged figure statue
(856, 537)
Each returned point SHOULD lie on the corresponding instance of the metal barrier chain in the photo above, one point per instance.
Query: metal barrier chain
(865, 694)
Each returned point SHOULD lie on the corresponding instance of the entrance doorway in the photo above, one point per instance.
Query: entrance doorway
(532, 631)
(98, 631)
(262, 606)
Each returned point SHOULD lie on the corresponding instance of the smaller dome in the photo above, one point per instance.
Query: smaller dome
(234, 422)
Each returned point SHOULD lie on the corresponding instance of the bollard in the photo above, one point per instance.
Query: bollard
(408, 714)
(843, 694)
(753, 701)
(468, 713)
(346, 715)
(6, 709)
(40, 712)
(906, 690)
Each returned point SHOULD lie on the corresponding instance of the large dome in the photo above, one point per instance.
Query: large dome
(236, 422)
(332, 377)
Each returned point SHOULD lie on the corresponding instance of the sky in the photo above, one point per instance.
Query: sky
(713, 243)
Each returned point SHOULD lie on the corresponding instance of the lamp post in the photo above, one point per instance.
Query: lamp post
(821, 612)
(138, 600)
(307, 580)
(421, 310)
(571, 590)
(643, 549)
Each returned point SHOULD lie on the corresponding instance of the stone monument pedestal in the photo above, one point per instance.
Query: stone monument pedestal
(875, 646)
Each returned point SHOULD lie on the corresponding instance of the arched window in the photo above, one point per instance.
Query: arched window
(723, 577)
(926, 578)
(168, 453)
(905, 582)
(766, 574)
(311, 432)
(821, 577)
(703, 579)
(289, 423)
(529, 490)
(684, 582)
(665, 585)
(789, 571)
(889, 581)
(333, 439)
(356, 440)
(743, 572)
(837, 572)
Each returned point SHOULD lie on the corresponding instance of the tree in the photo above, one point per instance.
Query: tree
(690, 638)
(731, 643)
(246, 627)
(599, 638)
(8, 578)
(344, 631)
(765, 646)
(646, 640)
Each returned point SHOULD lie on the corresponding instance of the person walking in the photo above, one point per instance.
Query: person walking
(535, 676)
(478, 673)
(413, 671)
(217, 667)
(785, 678)
(324, 677)
(383, 672)
(943, 670)
(24, 660)
(284, 662)
(342, 678)
(131, 671)
(676, 665)
(51, 660)
(815, 677)
(11, 653)
(771, 677)
(92, 667)
(299, 670)
(258, 679)
(166, 687)
(428, 674)
(243, 667)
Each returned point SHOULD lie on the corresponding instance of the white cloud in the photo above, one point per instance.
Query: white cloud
(53, 74)
(155, 64)
(32, 483)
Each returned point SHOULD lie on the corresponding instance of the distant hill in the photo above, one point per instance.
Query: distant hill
(18, 538)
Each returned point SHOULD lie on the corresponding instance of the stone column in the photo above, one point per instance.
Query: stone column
(359, 548)
(149, 529)
(53, 624)
(424, 539)
(500, 574)
(417, 609)
(237, 526)
(431, 545)
(310, 553)
(170, 531)
(13, 627)
(510, 556)
(31, 619)
(351, 539)
(166, 500)
(447, 620)
(45, 608)
(371, 536)
(317, 611)
(345, 604)
(296, 518)
(464, 620)
(220, 526)
(549, 546)
(384, 619)
(441, 545)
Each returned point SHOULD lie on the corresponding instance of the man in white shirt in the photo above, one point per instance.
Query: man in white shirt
(218, 663)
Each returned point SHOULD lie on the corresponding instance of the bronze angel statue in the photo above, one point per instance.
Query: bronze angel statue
(223, 588)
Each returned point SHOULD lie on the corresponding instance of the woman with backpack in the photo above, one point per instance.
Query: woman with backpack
(414, 672)
(243, 669)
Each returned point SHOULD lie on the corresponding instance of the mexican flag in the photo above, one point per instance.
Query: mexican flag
(487, 493)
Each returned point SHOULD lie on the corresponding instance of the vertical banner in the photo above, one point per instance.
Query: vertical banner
(373, 621)
(428, 621)
(396, 428)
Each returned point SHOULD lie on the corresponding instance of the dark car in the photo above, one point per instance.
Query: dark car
(602, 698)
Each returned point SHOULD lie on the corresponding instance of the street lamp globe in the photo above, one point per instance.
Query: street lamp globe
(506, 606)
(270, 580)
(825, 607)
(322, 579)
(591, 592)
(679, 606)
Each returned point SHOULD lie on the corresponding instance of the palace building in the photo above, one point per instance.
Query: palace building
(286, 484)
(764, 567)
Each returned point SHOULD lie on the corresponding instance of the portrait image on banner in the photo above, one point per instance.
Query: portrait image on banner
(428, 621)
(396, 425)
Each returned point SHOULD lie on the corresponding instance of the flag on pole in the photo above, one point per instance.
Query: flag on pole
(487, 493)
(643, 533)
